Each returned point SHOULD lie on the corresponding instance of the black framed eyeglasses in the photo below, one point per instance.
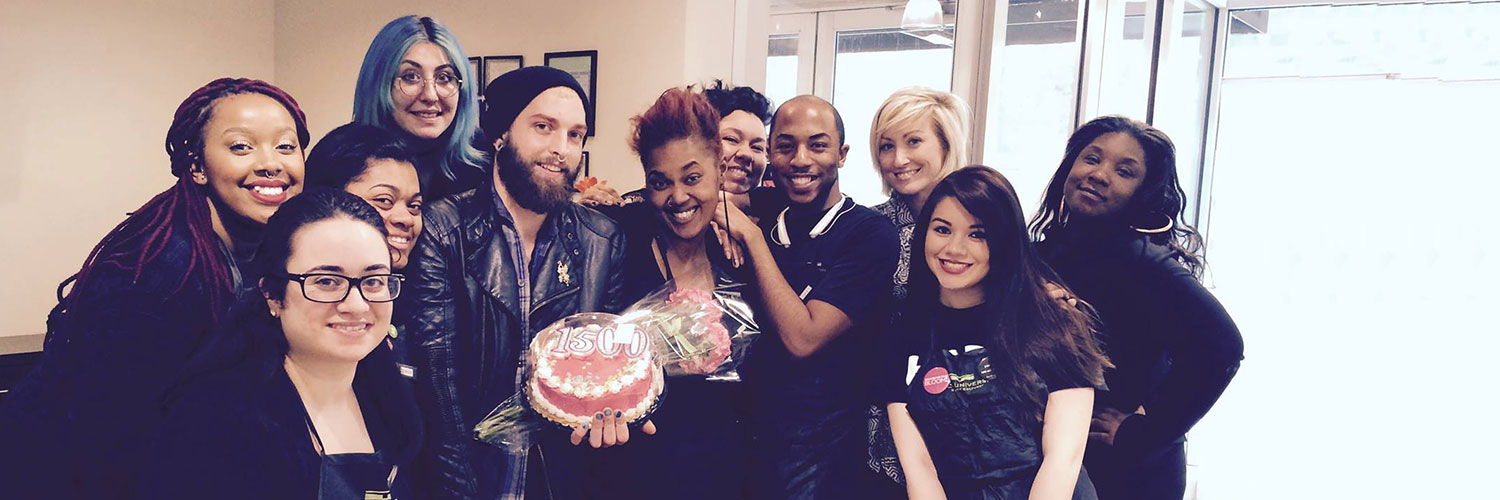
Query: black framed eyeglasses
(332, 288)
(412, 83)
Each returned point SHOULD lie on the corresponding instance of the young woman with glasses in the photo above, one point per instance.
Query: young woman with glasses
(372, 163)
(299, 397)
(150, 292)
(416, 81)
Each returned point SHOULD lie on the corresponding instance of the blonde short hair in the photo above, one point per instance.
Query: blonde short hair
(949, 115)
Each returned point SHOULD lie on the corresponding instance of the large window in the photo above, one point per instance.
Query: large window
(1351, 237)
(855, 56)
(1338, 159)
(869, 65)
(1033, 89)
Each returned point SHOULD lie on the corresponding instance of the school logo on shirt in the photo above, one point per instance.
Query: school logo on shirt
(936, 380)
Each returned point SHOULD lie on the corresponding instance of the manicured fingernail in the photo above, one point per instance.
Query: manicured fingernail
(585, 426)
(598, 416)
(617, 413)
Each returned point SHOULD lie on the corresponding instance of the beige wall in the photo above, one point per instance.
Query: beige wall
(89, 91)
(641, 46)
(93, 84)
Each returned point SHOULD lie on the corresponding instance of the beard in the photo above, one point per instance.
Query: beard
(518, 175)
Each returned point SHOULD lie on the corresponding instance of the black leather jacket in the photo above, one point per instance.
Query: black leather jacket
(465, 332)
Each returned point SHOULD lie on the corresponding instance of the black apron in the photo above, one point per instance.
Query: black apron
(352, 476)
(983, 442)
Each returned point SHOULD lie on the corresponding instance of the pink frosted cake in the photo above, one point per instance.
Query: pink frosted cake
(582, 367)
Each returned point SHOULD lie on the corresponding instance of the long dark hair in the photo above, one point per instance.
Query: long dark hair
(1027, 329)
(139, 240)
(1158, 203)
(249, 349)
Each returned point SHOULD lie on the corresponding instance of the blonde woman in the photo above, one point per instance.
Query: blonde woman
(919, 136)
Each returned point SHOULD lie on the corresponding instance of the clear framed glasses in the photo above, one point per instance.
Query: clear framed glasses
(331, 288)
(413, 83)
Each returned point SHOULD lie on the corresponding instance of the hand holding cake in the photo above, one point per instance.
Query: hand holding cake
(606, 431)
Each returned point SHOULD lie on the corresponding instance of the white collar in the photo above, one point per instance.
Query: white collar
(779, 232)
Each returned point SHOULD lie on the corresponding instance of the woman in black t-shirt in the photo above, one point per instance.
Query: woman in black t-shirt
(1112, 226)
(990, 382)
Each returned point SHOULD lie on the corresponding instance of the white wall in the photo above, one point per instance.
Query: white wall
(92, 86)
(88, 95)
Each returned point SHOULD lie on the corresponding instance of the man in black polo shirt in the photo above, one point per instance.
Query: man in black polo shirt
(822, 265)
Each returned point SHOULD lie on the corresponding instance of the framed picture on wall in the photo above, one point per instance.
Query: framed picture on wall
(476, 72)
(494, 66)
(583, 166)
(584, 66)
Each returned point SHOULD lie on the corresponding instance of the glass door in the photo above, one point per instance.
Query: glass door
(856, 59)
(789, 56)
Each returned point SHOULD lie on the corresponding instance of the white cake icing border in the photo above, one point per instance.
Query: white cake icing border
(555, 414)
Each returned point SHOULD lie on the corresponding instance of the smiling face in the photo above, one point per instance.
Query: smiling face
(393, 189)
(911, 157)
(682, 183)
(540, 153)
(742, 141)
(958, 253)
(1105, 176)
(342, 332)
(805, 151)
(251, 161)
(425, 114)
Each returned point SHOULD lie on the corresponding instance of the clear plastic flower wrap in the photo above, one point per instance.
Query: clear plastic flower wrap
(586, 362)
(695, 332)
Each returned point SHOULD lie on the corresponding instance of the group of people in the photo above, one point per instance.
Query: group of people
(334, 325)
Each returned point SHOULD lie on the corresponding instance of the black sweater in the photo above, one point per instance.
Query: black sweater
(76, 426)
(1174, 346)
(241, 436)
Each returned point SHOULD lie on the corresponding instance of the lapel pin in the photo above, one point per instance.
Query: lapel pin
(562, 273)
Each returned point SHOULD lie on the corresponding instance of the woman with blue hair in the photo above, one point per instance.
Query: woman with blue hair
(415, 80)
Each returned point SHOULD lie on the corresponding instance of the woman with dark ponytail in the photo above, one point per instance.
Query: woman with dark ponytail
(1111, 224)
(150, 292)
(296, 396)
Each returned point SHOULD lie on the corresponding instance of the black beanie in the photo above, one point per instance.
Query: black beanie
(509, 93)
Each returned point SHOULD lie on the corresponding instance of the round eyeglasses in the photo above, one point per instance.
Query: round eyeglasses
(331, 288)
(412, 83)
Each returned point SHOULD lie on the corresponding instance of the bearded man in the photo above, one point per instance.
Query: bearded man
(494, 266)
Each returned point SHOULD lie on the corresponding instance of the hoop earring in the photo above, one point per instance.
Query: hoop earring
(1062, 214)
(1159, 230)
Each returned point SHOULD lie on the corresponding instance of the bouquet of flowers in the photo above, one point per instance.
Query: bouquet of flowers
(696, 332)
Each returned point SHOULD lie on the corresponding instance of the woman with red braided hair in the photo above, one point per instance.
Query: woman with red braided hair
(149, 294)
